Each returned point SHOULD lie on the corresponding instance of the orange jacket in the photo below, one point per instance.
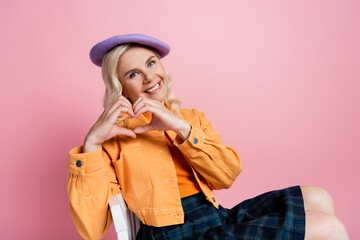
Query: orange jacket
(143, 171)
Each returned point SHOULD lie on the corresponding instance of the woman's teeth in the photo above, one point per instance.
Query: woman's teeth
(153, 88)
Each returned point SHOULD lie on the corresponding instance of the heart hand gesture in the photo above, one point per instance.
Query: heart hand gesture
(162, 118)
(106, 126)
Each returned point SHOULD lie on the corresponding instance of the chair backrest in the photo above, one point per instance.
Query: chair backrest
(126, 223)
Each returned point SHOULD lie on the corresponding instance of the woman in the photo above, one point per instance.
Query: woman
(166, 161)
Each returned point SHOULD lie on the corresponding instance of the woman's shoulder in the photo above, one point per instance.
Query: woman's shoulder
(191, 113)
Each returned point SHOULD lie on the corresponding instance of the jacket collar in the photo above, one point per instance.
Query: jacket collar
(142, 120)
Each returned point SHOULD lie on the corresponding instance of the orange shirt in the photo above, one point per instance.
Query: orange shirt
(185, 176)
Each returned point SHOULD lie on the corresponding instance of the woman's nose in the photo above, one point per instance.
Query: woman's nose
(149, 76)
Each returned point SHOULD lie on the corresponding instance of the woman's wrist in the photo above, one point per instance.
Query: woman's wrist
(184, 131)
(89, 147)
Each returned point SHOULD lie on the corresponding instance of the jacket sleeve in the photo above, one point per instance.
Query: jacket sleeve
(205, 151)
(92, 183)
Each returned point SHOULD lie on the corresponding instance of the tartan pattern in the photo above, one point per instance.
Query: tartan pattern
(273, 215)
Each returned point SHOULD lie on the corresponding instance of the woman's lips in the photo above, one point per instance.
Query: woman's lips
(155, 89)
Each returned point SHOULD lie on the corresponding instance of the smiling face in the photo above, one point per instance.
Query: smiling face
(142, 74)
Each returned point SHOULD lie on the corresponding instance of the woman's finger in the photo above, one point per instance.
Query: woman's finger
(126, 100)
(123, 105)
(144, 109)
(119, 101)
(137, 102)
(107, 128)
(139, 106)
(121, 98)
(145, 128)
(116, 130)
(144, 101)
(153, 104)
(115, 114)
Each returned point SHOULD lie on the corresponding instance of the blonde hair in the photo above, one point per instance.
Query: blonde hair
(112, 82)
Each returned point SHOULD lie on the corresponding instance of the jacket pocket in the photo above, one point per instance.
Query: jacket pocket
(132, 172)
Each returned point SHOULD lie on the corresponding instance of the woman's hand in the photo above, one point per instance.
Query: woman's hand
(106, 127)
(162, 118)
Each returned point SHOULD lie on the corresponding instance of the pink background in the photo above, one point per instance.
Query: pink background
(278, 79)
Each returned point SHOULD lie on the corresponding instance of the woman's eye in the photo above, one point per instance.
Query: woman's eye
(133, 75)
(151, 63)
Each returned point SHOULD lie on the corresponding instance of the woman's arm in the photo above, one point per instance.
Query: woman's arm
(92, 183)
(205, 151)
(92, 179)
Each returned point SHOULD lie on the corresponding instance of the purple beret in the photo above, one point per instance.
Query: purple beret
(98, 52)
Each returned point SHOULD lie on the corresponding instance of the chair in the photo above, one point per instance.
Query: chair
(126, 223)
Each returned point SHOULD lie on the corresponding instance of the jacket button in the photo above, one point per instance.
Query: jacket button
(196, 140)
(213, 199)
(78, 163)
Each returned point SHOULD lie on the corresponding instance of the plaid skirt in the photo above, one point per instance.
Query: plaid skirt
(273, 215)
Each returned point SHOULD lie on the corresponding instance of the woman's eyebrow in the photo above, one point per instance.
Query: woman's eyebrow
(131, 70)
(148, 60)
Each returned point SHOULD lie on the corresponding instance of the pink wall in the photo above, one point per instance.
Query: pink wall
(278, 79)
